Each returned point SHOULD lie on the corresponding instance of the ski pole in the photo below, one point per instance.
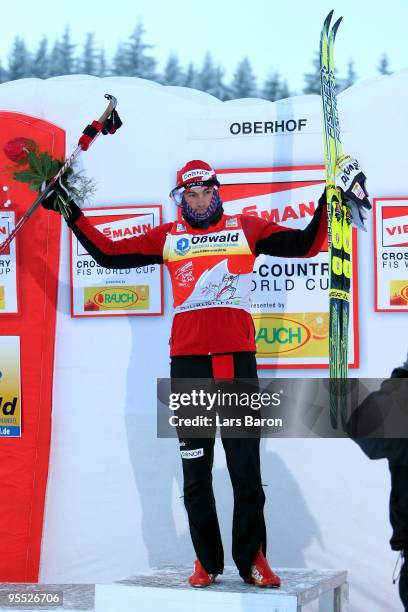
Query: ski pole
(88, 136)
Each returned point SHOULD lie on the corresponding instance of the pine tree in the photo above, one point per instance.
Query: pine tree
(190, 78)
(285, 91)
(271, 87)
(210, 79)
(220, 90)
(173, 74)
(312, 79)
(40, 65)
(136, 60)
(244, 83)
(89, 60)
(102, 69)
(383, 66)
(55, 56)
(19, 65)
(3, 74)
(350, 78)
(274, 88)
(119, 64)
(62, 59)
(207, 76)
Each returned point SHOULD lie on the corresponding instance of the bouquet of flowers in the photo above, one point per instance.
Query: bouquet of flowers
(37, 168)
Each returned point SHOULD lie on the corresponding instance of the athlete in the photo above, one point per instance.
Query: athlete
(210, 257)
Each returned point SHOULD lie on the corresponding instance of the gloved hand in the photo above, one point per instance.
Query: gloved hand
(351, 180)
(50, 202)
(57, 199)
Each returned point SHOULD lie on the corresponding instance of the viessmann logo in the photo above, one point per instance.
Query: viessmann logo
(395, 226)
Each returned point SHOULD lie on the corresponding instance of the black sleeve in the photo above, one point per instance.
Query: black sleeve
(296, 242)
(392, 396)
(127, 253)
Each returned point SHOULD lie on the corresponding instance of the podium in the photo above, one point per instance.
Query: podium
(166, 589)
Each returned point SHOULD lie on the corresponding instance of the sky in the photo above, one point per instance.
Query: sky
(278, 36)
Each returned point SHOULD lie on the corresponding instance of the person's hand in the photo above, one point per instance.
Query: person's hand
(56, 194)
(350, 179)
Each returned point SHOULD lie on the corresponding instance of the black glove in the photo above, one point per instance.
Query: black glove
(351, 180)
(53, 198)
(60, 200)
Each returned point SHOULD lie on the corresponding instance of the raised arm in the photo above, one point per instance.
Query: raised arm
(126, 253)
(269, 238)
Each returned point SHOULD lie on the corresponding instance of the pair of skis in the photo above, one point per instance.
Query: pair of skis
(339, 232)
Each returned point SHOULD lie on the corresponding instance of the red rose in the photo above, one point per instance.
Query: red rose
(17, 148)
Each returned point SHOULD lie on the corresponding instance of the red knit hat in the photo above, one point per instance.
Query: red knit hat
(195, 173)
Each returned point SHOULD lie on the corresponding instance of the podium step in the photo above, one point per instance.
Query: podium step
(166, 589)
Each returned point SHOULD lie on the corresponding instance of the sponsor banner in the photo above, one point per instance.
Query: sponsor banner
(283, 121)
(8, 266)
(266, 121)
(24, 468)
(97, 291)
(10, 387)
(391, 254)
(290, 296)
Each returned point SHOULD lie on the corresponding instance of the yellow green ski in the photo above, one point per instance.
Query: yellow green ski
(339, 230)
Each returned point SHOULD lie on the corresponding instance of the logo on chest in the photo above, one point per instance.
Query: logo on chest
(185, 275)
(182, 246)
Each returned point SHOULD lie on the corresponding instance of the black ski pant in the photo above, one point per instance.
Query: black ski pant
(243, 462)
(399, 520)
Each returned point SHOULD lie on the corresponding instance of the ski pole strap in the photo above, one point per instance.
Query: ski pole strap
(112, 123)
(89, 134)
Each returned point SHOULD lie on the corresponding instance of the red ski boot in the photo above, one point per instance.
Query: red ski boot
(261, 573)
(200, 578)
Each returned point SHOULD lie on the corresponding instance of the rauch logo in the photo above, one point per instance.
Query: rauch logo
(276, 335)
(120, 297)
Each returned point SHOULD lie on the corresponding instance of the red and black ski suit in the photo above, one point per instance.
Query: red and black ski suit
(212, 335)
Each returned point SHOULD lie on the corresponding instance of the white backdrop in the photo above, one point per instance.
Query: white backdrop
(113, 502)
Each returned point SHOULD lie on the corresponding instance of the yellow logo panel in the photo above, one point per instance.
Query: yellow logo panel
(398, 292)
(135, 297)
(292, 334)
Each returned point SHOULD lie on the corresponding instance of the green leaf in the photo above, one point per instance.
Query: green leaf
(36, 185)
(47, 165)
(55, 166)
(25, 176)
(35, 163)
